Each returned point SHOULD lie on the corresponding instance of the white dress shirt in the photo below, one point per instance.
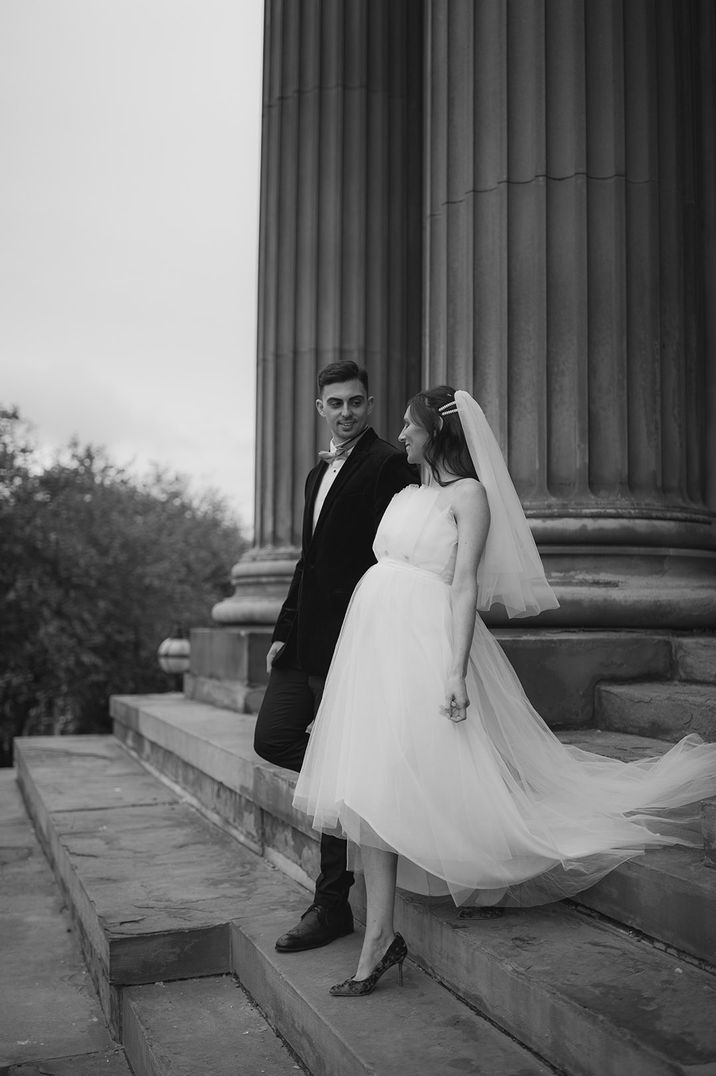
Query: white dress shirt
(328, 479)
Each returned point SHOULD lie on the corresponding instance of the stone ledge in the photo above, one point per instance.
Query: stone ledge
(108, 1063)
(665, 710)
(581, 993)
(559, 669)
(217, 742)
(228, 694)
(419, 1029)
(669, 893)
(199, 1026)
(151, 883)
(50, 1018)
(695, 658)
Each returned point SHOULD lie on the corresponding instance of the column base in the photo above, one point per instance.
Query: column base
(625, 587)
(228, 667)
(598, 586)
(261, 580)
(226, 694)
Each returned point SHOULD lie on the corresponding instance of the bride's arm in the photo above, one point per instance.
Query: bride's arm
(472, 515)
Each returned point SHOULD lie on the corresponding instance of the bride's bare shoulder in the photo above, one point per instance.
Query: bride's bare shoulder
(469, 495)
(469, 487)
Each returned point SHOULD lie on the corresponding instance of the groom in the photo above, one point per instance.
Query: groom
(345, 497)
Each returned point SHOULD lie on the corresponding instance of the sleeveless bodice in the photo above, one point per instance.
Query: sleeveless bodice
(418, 530)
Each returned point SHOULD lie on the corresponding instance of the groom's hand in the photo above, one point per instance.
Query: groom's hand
(273, 651)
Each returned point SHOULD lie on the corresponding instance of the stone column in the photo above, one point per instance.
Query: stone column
(570, 179)
(340, 249)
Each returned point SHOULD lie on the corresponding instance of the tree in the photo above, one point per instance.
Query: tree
(96, 566)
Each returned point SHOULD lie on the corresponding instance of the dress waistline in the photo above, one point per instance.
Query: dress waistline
(408, 566)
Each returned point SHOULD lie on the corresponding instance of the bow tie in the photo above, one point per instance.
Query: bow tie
(340, 451)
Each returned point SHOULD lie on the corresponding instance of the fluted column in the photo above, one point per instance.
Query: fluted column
(569, 281)
(340, 248)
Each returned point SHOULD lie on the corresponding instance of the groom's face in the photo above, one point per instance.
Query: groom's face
(345, 406)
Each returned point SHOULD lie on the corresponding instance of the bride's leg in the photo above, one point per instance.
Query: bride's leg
(380, 871)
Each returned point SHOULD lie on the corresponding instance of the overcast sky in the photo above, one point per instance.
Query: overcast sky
(129, 133)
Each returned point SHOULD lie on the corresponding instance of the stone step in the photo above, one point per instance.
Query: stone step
(175, 898)
(152, 885)
(162, 894)
(667, 711)
(669, 895)
(695, 658)
(50, 1018)
(558, 669)
(672, 892)
(200, 1026)
(580, 994)
(589, 997)
(421, 1028)
(107, 1063)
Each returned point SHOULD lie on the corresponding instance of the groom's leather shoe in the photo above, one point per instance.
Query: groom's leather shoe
(317, 926)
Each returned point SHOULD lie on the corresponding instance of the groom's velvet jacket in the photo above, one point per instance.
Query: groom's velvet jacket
(339, 551)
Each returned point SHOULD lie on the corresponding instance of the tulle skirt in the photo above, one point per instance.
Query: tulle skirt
(494, 809)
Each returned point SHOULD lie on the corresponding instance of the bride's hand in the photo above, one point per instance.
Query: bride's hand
(456, 700)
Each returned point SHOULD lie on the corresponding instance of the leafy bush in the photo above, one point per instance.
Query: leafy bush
(96, 567)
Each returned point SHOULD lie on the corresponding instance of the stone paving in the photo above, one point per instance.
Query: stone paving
(50, 1017)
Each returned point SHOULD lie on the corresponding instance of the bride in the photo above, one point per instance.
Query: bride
(426, 753)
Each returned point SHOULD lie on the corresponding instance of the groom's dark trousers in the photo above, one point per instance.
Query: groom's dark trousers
(290, 704)
(334, 556)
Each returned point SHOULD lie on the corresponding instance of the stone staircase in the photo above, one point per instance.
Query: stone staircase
(667, 709)
(182, 859)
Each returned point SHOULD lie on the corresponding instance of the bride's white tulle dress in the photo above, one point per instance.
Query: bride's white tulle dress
(494, 809)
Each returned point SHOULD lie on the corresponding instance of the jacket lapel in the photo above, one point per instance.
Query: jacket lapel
(342, 477)
(314, 481)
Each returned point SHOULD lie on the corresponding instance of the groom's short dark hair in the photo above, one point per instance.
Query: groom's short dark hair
(346, 370)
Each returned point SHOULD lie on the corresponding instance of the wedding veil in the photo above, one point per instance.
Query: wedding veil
(510, 569)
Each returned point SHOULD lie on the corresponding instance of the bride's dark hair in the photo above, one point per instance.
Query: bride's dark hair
(446, 444)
